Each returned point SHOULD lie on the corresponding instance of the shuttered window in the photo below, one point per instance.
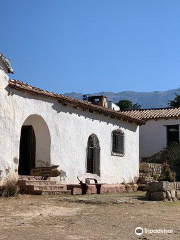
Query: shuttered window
(118, 142)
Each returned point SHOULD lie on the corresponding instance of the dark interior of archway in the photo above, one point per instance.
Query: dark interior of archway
(27, 150)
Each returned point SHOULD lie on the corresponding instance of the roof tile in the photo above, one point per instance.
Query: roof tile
(74, 102)
(156, 113)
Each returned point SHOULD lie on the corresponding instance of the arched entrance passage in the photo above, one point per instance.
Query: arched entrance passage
(35, 145)
(93, 155)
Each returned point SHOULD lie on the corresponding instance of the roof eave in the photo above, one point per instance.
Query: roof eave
(78, 104)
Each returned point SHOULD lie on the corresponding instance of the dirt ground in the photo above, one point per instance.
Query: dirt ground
(111, 216)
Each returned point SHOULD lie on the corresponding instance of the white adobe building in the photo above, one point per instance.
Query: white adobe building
(161, 129)
(113, 106)
(40, 128)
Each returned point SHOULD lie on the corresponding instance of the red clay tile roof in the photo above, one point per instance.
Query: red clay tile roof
(156, 113)
(86, 106)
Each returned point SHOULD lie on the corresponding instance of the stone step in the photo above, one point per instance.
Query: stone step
(25, 177)
(57, 192)
(40, 182)
(50, 187)
(38, 187)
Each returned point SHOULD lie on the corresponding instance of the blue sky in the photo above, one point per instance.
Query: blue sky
(93, 45)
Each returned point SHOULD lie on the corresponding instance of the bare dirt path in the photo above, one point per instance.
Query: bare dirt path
(112, 216)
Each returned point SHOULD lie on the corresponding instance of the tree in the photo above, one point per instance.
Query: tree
(128, 105)
(175, 102)
(136, 106)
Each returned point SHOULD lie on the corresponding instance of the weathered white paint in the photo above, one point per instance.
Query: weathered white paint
(153, 136)
(69, 130)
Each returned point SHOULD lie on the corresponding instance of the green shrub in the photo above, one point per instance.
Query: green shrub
(10, 187)
(168, 175)
(155, 176)
(172, 177)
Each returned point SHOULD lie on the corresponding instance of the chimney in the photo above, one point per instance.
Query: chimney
(98, 100)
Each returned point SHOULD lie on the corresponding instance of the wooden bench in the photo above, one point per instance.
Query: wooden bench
(83, 179)
(88, 176)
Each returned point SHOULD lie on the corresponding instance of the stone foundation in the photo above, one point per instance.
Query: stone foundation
(101, 188)
(162, 191)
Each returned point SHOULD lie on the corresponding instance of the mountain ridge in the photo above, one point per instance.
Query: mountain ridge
(155, 99)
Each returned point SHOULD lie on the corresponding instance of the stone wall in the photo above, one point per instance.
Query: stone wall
(162, 191)
(150, 168)
(147, 172)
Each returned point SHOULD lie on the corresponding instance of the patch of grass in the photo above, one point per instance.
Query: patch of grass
(173, 203)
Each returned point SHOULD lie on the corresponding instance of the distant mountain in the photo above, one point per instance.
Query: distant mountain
(156, 99)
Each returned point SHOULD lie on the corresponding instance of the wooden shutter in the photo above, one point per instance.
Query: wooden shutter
(118, 142)
(96, 164)
(121, 143)
(114, 142)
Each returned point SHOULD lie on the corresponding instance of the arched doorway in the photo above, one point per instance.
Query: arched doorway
(35, 144)
(93, 155)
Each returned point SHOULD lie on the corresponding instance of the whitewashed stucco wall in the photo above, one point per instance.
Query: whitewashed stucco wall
(153, 136)
(69, 130)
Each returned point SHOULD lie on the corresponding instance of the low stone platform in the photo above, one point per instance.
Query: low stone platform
(78, 189)
(35, 185)
(162, 191)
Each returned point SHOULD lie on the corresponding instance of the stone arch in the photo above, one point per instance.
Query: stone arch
(35, 144)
